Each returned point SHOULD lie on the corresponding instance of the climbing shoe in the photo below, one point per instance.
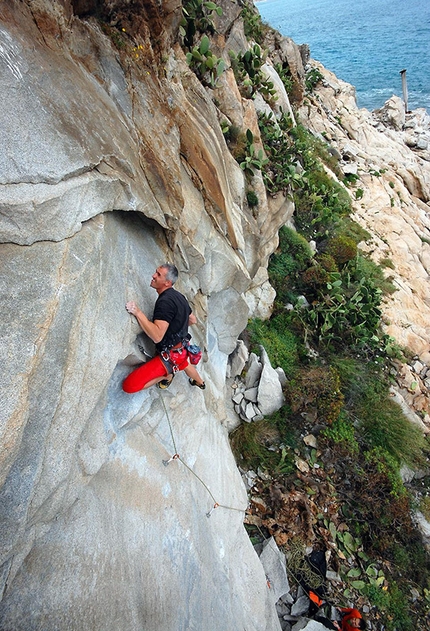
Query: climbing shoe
(164, 383)
(193, 382)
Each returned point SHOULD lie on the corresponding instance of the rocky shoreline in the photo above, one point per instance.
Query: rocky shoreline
(388, 152)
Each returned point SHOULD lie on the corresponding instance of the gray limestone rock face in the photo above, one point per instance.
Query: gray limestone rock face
(281, 376)
(93, 524)
(274, 564)
(111, 167)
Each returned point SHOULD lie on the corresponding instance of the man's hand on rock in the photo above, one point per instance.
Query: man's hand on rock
(132, 307)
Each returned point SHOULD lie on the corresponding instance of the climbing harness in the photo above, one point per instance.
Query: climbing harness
(176, 456)
(167, 358)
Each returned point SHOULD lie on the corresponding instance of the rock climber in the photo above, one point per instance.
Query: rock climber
(168, 330)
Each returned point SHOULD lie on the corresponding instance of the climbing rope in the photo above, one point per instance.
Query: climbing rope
(176, 456)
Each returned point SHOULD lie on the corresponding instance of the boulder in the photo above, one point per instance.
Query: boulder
(274, 564)
(253, 372)
(392, 113)
(270, 397)
(237, 359)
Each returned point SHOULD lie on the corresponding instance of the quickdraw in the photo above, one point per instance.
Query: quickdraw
(212, 509)
(174, 457)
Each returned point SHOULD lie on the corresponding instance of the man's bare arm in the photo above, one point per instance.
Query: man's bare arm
(192, 319)
(155, 330)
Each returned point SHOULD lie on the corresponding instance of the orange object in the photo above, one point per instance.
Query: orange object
(351, 619)
(315, 598)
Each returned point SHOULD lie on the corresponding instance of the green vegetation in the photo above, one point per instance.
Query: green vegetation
(253, 25)
(325, 332)
(283, 172)
(252, 159)
(282, 346)
(284, 73)
(350, 179)
(251, 198)
(205, 64)
(197, 17)
(312, 79)
(250, 441)
(247, 68)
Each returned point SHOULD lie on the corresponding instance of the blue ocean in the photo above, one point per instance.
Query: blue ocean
(366, 43)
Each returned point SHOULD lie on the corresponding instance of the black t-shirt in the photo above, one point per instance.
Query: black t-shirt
(172, 307)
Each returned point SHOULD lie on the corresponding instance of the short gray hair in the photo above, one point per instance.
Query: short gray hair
(172, 272)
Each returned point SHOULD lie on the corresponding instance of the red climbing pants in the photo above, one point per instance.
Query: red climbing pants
(154, 369)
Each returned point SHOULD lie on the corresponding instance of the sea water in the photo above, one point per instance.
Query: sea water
(364, 42)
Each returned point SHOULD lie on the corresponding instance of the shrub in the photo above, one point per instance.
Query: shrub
(205, 64)
(342, 431)
(253, 159)
(282, 172)
(253, 25)
(344, 313)
(319, 388)
(383, 462)
(350, 179)
(354, 375)
(320, 205)
(197, 16)
(292, 257)
(315, 276)
(290, 435)
(363, 266)
(386, 262)
(327, 262)
(313, 77)
(249, 76)
(293, 243)
(284, 73)
(256, 445)
(279, 342)
(313, 150)
(394, 604)
(385, 426)
(342, 249)
(350, 228)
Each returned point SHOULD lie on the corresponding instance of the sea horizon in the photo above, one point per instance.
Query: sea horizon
(367, 44)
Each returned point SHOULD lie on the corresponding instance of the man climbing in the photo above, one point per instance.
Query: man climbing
(168, 329)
